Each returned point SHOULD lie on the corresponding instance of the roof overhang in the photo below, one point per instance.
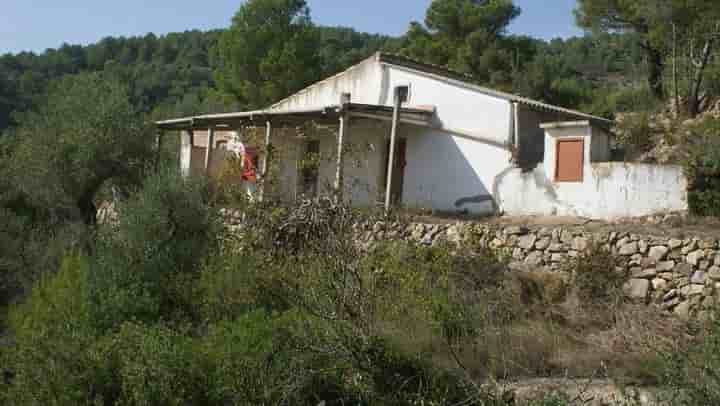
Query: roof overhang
(565, 124)
(320, 115)
(447, 75)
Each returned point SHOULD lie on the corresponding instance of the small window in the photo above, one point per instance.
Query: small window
(569, 161)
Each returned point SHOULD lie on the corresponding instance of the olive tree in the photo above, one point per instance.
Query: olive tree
(84, 133)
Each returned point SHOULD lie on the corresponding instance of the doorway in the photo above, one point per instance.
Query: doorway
(310, 169)
(398, 173)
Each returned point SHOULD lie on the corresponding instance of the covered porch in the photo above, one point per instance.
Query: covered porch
(350, 151)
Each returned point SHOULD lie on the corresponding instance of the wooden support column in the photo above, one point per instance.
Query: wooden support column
(209, 150)
(158, 148)
(265, 162)
(391, 152)
(187, 142)
(339, 174)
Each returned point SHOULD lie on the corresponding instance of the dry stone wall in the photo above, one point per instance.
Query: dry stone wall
(678, 275)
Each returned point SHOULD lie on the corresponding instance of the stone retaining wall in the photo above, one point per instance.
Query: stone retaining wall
(678, 275)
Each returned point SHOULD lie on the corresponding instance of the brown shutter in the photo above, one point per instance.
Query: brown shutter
(569, 164)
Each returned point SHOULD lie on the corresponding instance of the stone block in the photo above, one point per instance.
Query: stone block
(658, 253)
(535, 258)
(682, 310)
(580, 244)
(628, 249)
(659, 284)
(665, 266)
(516, 230)
(714, 273)
(698, 278)
(527, 242)
(694, 257)
(675, 243)
(692, 290)
(649, 273)
(637, 289)
(542, 244)
(684, 269)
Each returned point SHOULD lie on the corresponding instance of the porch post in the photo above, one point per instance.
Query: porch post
(209, 150)
(265, 162)
(339, 174)
(158, 148)
(187, 142)
(391, 153)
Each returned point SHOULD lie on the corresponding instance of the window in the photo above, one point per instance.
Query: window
(310, 168)
(569, 160)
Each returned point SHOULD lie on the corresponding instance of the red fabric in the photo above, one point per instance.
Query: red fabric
(249, 170)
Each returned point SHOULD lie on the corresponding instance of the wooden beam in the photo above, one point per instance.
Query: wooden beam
(265, 162)
(158, 148)
(209, 150)
(391, 153)
(187, 142)
(339, 174)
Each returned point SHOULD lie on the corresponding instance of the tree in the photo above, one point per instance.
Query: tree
(268, 52)
(628, 15)
(464, 35)
(85, 133)
(657, 23)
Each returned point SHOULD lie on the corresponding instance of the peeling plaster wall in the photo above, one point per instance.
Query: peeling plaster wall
(362, 81)
(610, 190)
(363, 169)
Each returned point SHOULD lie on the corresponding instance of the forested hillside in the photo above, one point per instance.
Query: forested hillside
(177, 74)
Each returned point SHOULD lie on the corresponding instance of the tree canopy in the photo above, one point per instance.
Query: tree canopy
(85, 133)
(268, 52)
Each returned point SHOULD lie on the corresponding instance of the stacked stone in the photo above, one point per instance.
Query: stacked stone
(679, 275)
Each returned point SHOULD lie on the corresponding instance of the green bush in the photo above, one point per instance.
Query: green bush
(146, 267)
(692, 374)
(702, 167)
(155, 365)
(50, 362)
(596, 278)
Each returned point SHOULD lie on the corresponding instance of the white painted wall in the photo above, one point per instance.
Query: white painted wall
(451, 173)
(609, 190)
(449, 168)
(362, 81)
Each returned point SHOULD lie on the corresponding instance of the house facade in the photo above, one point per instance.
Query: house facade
(394, 131)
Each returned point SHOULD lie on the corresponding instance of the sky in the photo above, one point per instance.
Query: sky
(34, 25)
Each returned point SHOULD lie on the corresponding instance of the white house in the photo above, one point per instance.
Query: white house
(456, 147)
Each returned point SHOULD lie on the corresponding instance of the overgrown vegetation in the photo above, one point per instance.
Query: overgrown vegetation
(169, 306)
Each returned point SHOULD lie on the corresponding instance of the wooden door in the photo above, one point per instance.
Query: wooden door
(569, 160)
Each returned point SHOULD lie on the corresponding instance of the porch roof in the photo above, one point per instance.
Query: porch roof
(421, 115)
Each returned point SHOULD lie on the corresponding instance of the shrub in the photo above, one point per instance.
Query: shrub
(596, 277)
(154, 365)
(146, 267)
(49, 362)
(702, 167)
(691, 374)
